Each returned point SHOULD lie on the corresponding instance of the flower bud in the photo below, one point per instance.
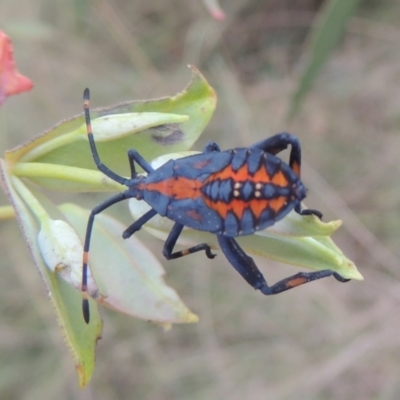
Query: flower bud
(62, 251)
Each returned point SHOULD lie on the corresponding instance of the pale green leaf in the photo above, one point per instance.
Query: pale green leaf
(186, 113)
(311, 252)
(67, 301)
(129, 276)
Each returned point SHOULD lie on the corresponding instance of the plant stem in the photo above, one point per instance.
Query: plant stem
(66, 173)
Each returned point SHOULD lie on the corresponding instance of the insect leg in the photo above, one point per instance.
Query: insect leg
(300, 279)
(96, 210)
(128, 232)
(172, 239)
(243, 264)
(133, 156)
(246, 267)
(279, 142)
(100, 166)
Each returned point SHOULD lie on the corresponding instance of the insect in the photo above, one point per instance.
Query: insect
(228, 193)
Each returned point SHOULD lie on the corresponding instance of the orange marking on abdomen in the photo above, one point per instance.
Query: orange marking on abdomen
(219, 206)
(279, 179)
(179, 188)
(257, 205)
(222, 175)
(242, 175)
(261, 175)
(238, 207)
(278, 203)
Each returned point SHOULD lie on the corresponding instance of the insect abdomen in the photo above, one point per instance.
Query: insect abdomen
(252, 192)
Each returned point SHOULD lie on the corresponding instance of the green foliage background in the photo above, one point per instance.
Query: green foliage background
(321, 341)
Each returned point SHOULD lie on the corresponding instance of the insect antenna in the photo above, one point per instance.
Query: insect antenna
(85, 295)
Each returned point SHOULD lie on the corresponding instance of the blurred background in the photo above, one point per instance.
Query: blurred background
(324, 340)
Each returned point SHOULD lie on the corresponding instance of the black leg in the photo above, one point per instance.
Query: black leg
(133, 156)
(98, 209)
(172, 239)
(309, 211)
(279, 142)
(128, 232)
(246, 267)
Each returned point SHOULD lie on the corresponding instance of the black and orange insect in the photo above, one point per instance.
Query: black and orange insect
(228, 193)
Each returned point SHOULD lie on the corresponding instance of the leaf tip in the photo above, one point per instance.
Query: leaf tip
(198, 74)
(82, 378)
(191, 318)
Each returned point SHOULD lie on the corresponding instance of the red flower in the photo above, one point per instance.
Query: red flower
(11, 81)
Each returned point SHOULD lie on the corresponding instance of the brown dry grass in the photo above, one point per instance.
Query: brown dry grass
(321, 341)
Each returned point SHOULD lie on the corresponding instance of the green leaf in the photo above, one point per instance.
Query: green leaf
(315, 253)
(323, 39)
(185, 117)
(67, 301)
(129, 276)
(311, 252)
